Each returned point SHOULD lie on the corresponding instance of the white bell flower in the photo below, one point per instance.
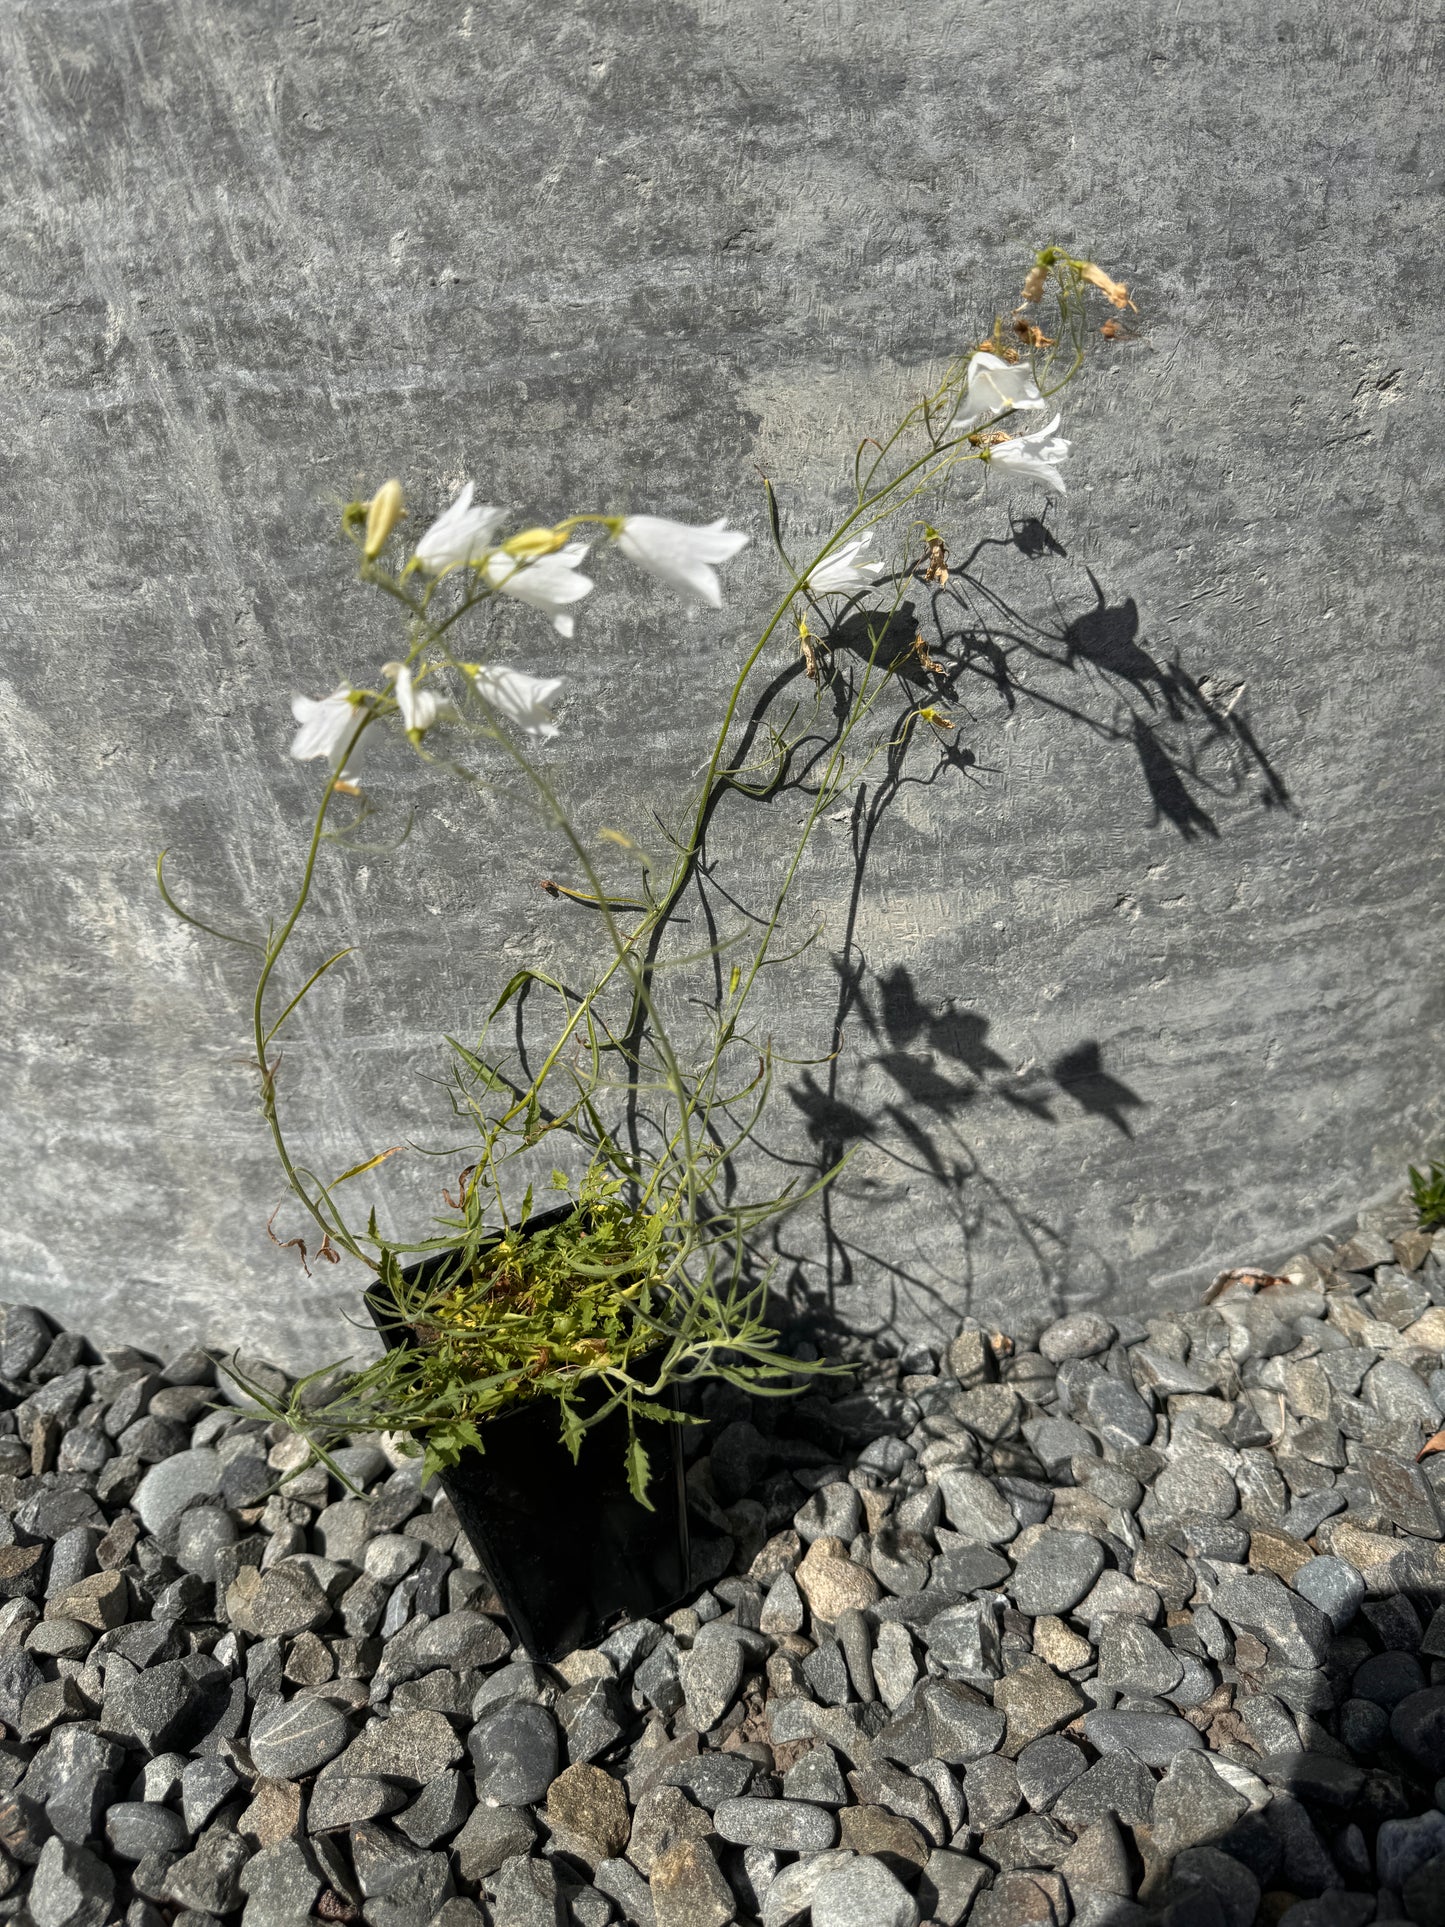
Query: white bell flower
(841, 573)
(680, 553)
(1036, 456)
(521, 698)
(459, 535)
(994, 387)
(326, 723)
(419, 708)
(551, 583)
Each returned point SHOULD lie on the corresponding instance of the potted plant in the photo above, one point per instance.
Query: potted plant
(535, 1357)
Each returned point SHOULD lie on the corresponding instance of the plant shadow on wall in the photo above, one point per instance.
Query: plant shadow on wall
(933, 1059)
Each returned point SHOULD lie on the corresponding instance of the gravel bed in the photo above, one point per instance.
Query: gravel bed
(1101, 1622)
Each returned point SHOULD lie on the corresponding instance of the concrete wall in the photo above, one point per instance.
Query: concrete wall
(1150, 980)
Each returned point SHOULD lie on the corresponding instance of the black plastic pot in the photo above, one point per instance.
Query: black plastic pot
(567, 1547)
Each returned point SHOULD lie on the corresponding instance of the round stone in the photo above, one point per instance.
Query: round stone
(514, 1751)
(1364, 1727)
(1118, 1414)
(204, 1531)
(834, 1511)
(1083, 1335)
(175, 1483)
(135, 1828)
(298, 1737)
(1056, 1572)
(60, 1639)
(362, 1464)
(1387, 1678)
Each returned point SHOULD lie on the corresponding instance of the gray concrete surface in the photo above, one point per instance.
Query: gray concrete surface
(1153, 981)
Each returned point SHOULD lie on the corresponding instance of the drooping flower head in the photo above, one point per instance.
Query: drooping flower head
(459, 535)
(841, 573)
(419, 708)
(551, 583)
(1034, 456)
(521, 698)
(326, 724)
(994, 387)
(680, 553)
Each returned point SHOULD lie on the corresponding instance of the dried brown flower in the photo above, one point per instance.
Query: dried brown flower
(1111, 289)
(1034, 336)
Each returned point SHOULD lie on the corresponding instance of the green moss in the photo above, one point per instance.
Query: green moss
(1428, 1190)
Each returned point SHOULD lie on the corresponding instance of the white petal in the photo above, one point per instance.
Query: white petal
(521, 698)
(994, 387)
(551, 583)
(840, 573)
(326, 722)
(459, 535)
(681, 553)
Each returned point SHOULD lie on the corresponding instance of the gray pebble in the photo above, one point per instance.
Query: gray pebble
(1132, 1659)
(135, 1828)
(788, 1825)
(1046, 1768)
(1151, 1738)
(863, 1893)
(297, 1737)
(174, 1484)
(709, 1676)
(514, 1751)
(816, 1778)
(991, 1787)
(1081, 1335)
(1118, 1414)
(1334, 1587)
(1056, 1572)
(1298, 1632)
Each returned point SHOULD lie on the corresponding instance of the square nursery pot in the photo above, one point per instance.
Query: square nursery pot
(567, 1547)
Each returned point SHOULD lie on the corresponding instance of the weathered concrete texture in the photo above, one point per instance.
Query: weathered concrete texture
(1150, 980)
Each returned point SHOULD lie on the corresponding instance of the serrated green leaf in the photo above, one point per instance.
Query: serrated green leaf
(573, 1430)
(663, 1414)
(639, 1471)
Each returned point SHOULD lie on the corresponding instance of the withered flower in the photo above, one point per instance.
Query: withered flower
(1028, 332)
(1111, 289)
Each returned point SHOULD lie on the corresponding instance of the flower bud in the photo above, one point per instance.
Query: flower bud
(384, 511)
(534, 542)
(1034, 283)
